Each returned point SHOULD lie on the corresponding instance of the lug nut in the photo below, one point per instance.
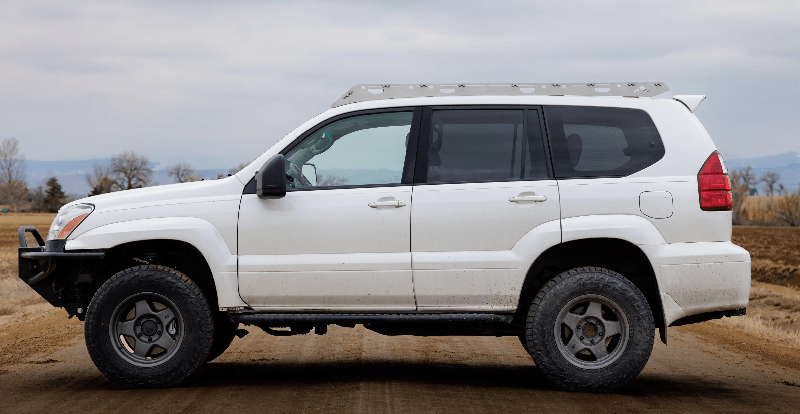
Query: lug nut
(138, 323)
(159, 332)
(601, 334)
(581, 338)
(139, 334)
(149, 339)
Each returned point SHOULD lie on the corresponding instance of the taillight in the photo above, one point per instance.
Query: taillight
(714, 185)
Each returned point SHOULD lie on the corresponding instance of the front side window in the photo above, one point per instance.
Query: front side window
(601, 142)
(360, 150)
(475, 145)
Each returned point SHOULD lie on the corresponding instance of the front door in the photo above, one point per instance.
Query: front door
(483, 186)
(340, 239)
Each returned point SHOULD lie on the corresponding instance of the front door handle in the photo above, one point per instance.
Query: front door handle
(536, 198)
(388, 203)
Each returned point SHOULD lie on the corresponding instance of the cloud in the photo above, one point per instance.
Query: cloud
(88, 79)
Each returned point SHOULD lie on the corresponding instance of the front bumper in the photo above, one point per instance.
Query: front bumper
(54, 273)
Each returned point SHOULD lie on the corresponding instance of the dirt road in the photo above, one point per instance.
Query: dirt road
(44, 367)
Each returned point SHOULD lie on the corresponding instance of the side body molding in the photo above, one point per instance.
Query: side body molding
(198, 232)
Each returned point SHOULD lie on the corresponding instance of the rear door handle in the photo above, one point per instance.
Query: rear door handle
(536, 198)
(390, 203)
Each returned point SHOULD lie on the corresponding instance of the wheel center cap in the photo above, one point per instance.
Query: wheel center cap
(590, 329)
(149, 328)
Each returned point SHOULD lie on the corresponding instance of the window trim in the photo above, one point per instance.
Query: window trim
(407, 175)
(421, 170)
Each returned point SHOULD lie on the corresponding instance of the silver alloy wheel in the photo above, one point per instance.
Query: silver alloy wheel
(591, 331)
(146, 329)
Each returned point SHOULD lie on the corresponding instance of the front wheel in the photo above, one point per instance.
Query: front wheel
(148, 327)
(590, 329)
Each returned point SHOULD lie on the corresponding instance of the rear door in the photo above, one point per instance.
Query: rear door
(482, 182)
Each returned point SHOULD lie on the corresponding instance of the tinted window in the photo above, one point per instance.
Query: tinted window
(601, 142)
(483, 145)
(361, 150)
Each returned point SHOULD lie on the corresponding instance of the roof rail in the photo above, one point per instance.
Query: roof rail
(371, 92)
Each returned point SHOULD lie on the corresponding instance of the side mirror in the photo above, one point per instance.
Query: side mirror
(310, 172)
(271, 178)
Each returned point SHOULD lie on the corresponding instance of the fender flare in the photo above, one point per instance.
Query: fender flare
(195, 231)
(634, 229)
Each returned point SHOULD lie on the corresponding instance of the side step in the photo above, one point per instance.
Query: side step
(288, 319)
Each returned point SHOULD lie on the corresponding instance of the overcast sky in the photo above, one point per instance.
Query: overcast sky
(215, 83)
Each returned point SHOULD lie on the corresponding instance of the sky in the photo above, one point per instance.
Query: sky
(216, 83)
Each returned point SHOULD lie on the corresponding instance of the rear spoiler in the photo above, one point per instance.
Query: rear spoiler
(692, 102)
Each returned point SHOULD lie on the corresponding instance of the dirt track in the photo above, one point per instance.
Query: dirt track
(354, 370)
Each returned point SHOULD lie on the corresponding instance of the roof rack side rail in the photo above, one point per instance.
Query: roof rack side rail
(371, 92)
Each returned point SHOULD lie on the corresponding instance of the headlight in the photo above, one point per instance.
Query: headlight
(67, 219)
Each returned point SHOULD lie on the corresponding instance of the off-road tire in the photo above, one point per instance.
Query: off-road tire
(224, 333)
(561, 367)
(524, 341)
(192, 315)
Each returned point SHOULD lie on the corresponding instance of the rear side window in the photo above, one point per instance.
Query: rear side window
(601, 142)
(475, 145)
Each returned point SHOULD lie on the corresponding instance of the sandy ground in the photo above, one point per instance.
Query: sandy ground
(44, 367)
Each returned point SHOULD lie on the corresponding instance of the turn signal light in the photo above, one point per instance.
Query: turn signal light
(714, 186)
(71, 226)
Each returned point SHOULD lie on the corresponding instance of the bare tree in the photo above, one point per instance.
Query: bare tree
(36, 199)
(742, 180)
(100, 180)
(12, 162)
(130, 170)
(771, 180)
(15, 194)
(183, 172)
(238, 168)
(787, 209)
(13, 188)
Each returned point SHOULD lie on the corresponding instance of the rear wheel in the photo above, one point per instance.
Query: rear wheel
(590, 329)
(148, 326)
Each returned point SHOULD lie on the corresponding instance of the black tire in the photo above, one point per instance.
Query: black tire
(138, 311)
(224, 332)
(612, 335)
(524, 341)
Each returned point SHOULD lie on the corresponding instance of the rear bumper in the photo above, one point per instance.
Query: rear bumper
(700, 278)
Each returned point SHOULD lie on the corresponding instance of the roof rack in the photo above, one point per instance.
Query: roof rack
(370, 92)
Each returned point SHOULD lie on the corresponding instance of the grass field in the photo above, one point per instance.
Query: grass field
(14, 293)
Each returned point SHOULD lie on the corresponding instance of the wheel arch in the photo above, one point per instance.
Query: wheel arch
(615, 254)
(191, 245)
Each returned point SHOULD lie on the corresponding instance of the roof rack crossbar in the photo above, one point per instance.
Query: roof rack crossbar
(371, 92)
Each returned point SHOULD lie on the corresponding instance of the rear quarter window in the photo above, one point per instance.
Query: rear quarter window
(601, 142)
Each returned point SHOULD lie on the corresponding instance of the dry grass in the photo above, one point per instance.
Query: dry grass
(14, 293)
(755, 323)
(773, 313)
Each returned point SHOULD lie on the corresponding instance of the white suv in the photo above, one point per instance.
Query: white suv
(579, 218)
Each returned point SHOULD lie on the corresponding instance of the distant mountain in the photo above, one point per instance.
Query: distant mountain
(787, 164)
(72, 174)
(771, 161)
